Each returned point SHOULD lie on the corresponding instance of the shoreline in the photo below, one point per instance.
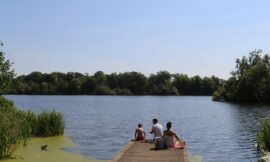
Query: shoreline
(265, 157)
(56, 151)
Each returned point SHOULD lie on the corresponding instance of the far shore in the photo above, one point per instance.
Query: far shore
(99, 95)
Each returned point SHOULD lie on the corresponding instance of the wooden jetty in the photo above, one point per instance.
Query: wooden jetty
(138, 151)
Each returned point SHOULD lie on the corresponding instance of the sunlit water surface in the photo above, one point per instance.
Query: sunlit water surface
(102, 125)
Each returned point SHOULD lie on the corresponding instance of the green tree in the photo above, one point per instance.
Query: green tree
(182, 83)
(35, 77)
(104, 90)
(195, 84)
(122, 91)
(89, 86)
(113, 80)
(161, 84)
(250, 81)
(100, 78)
(127, 83)
(136, 82)
(44, 88)
(6, 73)
(75, 86)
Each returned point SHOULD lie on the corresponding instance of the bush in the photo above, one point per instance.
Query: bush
(49, 124)
(10, 128)
(249, 82)
(123, 91)
(104, 90)
(6, 105)
(263, 135)
(219, 94)
(18, 126)
(8, 136)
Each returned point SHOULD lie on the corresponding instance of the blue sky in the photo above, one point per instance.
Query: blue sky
(201, 37)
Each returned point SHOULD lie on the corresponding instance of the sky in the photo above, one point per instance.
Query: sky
(194, 37)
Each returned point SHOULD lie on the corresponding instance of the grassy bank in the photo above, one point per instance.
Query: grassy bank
(17, 126)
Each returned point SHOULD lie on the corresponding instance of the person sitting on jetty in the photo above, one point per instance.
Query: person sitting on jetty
(140, 133)
(171, 138)
(156, 129)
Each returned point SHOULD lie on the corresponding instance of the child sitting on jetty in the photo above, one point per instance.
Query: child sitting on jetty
(140, 133)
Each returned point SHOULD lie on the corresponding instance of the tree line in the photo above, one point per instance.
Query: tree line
(249, 81)
(127, 83)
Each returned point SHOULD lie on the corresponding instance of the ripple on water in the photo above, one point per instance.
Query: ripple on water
(102, 125)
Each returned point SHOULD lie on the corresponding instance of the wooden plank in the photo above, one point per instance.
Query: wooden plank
(137, 151)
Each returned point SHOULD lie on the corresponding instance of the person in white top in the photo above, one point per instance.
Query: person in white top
(156, 129)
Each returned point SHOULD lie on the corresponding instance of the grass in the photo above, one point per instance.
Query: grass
(8, 136)
(49, 124)
(263, 135)
(18, 126)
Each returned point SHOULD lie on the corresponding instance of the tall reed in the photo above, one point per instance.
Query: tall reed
(8, 136)
(10, 128)
(263, 135)
(49, 124)
(18, 126)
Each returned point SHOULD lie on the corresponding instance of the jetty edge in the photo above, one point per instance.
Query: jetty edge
(138, 151)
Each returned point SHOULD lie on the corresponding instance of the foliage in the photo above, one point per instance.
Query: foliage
(219, 94)
(18, 126)
(104, 90)
(122, 91)
(49, 124)
(6, 105)
(263, 135)
(12, 128)
(9, 134)
(161, 84)
(128, 83)
(6, 73)
(250, 81)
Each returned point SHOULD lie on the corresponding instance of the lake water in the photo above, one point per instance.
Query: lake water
(102, 125)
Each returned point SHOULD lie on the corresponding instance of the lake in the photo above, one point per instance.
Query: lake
(102, 125)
